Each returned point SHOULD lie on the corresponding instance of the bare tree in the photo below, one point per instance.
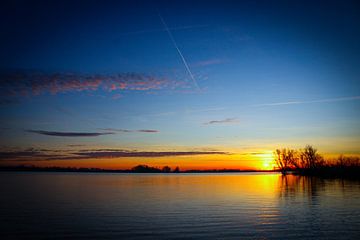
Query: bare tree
(285, 159)
(347, 161)
(310, 159)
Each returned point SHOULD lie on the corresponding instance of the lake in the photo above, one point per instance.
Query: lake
(177, 206)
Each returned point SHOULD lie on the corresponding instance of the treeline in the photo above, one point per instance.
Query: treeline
(167, 169)
(148, 169)
(32, 168)
(136, 169)
(308, 161)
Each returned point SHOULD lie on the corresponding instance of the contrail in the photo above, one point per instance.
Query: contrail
(178, 50)
(313, 101)
(161, 30)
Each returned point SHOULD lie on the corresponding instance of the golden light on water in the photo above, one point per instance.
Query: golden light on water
(266, 160)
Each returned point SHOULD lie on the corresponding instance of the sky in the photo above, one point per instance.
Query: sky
(194, 84)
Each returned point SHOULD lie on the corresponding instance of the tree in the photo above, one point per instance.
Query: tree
(145, 169)
(176, 170)
(285, 159)
(310, 159)
(166, 169)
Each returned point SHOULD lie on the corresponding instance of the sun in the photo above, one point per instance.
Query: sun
(266, 165)
(266, 161)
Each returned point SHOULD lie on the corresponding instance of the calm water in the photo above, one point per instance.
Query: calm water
(177, 206)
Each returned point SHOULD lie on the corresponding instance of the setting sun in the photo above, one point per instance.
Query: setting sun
(266, 160)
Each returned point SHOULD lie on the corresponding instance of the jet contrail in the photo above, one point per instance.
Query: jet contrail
(178, 50)
(313, 101)
(161, 30)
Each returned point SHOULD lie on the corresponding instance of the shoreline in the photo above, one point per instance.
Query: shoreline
(99, 170)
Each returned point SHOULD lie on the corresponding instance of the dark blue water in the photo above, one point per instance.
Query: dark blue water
(177, 206)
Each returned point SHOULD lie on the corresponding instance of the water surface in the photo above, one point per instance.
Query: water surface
(177, 206)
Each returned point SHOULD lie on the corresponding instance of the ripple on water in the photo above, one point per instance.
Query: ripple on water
(177, 206)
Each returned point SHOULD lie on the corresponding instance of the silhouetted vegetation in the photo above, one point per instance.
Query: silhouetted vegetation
(284, 159)
(176, 170)
(56, 169)
(166, 169)
(145, 169)
(308, 161)
(136, 169)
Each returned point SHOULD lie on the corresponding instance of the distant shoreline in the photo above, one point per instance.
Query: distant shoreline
(100, 170)
(326, 173)
(321, 174)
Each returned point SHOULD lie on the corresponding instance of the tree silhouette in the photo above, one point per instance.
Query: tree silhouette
(166, 169)
(145, 169)
(310, 159)
(285, 159)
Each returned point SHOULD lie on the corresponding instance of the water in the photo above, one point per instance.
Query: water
(177, 206)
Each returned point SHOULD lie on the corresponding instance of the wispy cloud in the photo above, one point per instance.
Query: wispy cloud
(326, 100)
(147, 131)
(76, 145)
(129, 131)
(20, 154)
(223, 121)
(69, 134)
(254, 153)
(29, 154)
(127, 154)
(115, 130)
(22, 83)
(32, 154)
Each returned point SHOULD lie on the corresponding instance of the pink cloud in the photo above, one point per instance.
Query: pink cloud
(26, 83)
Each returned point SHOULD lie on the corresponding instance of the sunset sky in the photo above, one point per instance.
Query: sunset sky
(194, 84)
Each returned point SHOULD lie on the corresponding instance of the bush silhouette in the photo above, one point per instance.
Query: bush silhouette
(308, 161)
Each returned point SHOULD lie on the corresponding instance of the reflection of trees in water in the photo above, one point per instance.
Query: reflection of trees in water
(297, 188)
(300, 198)
(316, 204)
(292, 187)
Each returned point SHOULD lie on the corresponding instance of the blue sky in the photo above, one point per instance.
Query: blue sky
(238, 76)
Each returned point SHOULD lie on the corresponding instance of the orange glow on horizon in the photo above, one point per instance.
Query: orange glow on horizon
(259, 161)
(255, 159)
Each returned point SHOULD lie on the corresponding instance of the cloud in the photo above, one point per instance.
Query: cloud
(24, 83)
(76, 145)
(224, 121)
(130, 154)
(19, 154)
(254, 153)
(326, 100)
(28, 154)
(69, 134)
(147, 131)
(129, 131)
(115, 130)
(32, 154)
